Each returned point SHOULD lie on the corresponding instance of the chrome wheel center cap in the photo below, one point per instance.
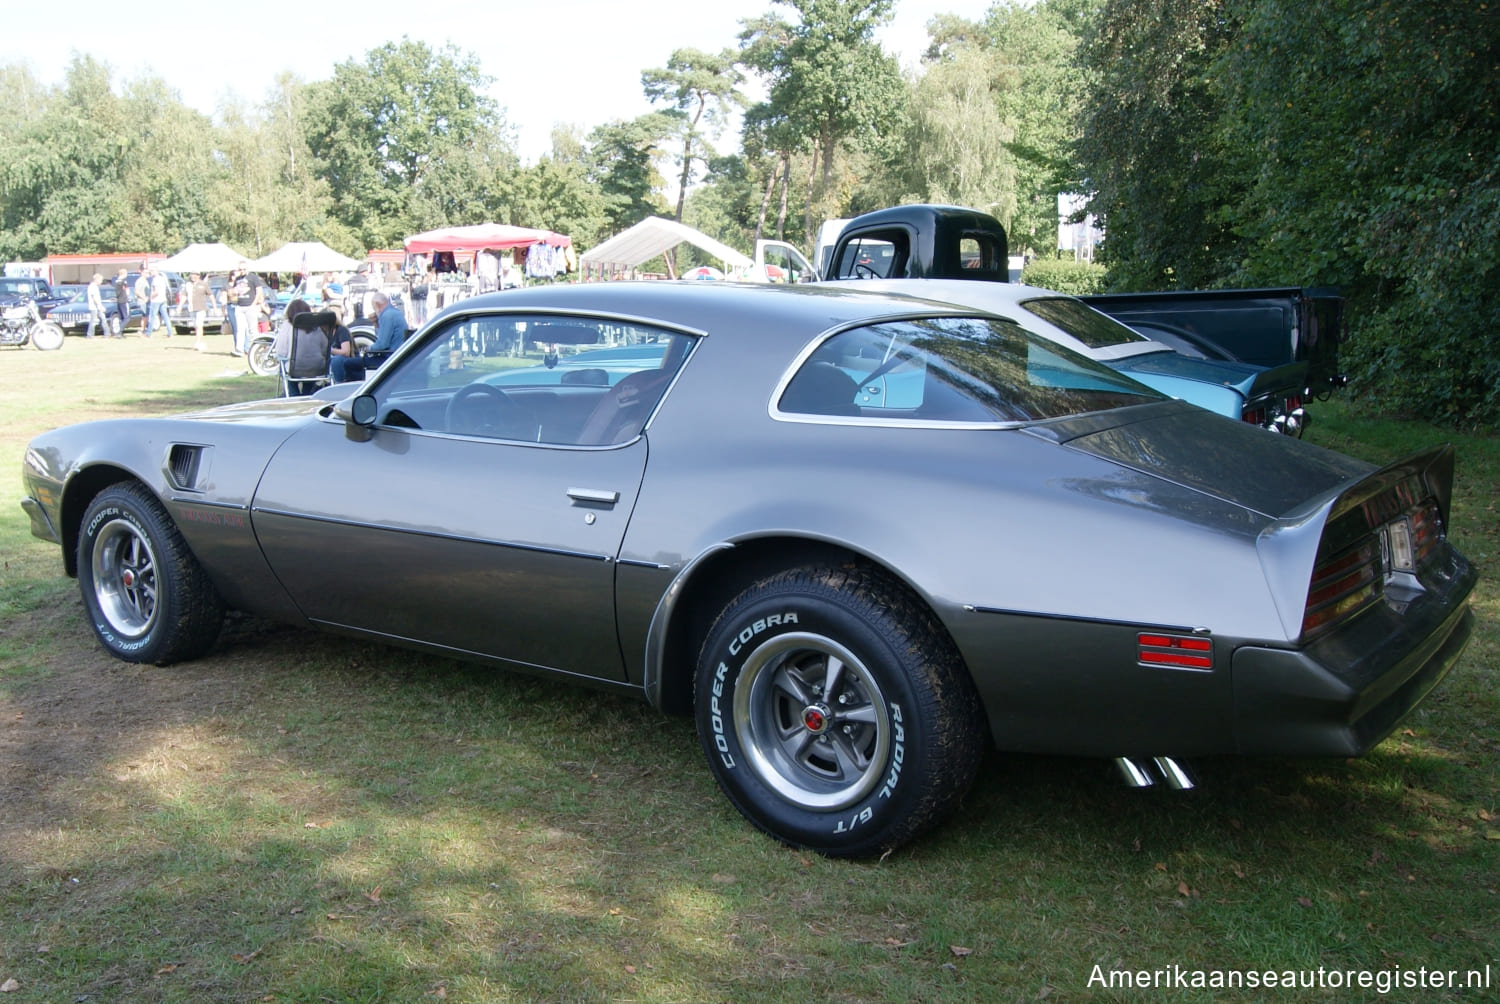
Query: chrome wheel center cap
(815, 718)
(128, 577)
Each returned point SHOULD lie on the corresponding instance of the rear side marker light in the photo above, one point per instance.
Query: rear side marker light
(1181, 651)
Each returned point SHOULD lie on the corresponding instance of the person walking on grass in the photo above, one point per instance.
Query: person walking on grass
(143, 298)
(198, 295)
(97, 314)
(160, 291)
(247, 293)
(122, 302)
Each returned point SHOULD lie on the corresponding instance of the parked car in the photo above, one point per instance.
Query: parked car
(1232, 389)
(15, 289)
(72, 315)
(962, 253)
(1266, 327)
(215, 317)
(1010, 544)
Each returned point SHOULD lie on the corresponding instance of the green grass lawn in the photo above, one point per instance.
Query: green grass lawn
(300, 817)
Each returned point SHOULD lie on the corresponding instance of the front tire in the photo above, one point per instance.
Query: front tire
(146, 595)
(47, 336)
(835, 712)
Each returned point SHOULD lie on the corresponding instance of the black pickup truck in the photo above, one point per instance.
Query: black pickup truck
(1267, 327)
(14, 290)
(1270, 348)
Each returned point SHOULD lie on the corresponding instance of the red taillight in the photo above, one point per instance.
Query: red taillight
(1186, 651)
(1255, 416)
(1426, 531)
(1342, 584)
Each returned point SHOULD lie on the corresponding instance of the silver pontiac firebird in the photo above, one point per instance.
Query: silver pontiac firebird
(861, 537)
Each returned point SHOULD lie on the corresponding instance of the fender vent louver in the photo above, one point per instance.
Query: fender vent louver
(182, 466)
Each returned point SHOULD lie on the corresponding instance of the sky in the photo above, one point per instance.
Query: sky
(575, 62)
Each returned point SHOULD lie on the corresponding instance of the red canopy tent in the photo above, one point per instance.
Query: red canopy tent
(495, 236)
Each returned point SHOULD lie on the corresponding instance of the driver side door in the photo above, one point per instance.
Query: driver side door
(472, 520)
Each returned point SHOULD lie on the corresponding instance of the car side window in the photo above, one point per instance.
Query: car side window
(947, 370)
(566, 381)
(878, 255)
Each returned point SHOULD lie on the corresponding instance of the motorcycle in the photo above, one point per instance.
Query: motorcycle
(22, 322)
(261, 356)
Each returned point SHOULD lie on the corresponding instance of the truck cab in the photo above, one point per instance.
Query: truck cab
(921, 242)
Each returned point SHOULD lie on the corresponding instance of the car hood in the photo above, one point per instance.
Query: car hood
(272, 411)
(1232, 461)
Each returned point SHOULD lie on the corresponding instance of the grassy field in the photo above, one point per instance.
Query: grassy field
(305, 818)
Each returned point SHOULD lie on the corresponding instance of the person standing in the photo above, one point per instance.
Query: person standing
(247, 293)
(122, 301)
(143, 298)
(95, 299)
(160, 291)
(198, 295)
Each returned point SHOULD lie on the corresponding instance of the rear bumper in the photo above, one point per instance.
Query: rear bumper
(1345, 693)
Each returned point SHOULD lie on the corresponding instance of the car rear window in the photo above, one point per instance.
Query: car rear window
(952, 370)
(1083, 322)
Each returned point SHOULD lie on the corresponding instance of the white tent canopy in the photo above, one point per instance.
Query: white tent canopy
(304, 256)
(216, 257)
(654, 236)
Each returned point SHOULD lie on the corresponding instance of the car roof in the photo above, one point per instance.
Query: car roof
(774, 314)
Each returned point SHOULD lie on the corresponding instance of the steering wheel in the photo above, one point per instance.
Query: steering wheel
(483, 410)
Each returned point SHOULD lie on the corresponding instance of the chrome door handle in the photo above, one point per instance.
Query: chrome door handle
(595, 496)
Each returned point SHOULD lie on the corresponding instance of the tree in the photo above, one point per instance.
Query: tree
(620, 158)
(827, 76)
(700, 88)
(955, 146)
(385, 131)
(1370, 132)
(1151, 151)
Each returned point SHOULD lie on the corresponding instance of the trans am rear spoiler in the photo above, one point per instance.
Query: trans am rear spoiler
(1335, 555)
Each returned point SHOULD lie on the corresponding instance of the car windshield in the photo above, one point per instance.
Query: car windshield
(953, 370)
(1083, 322)
(569, 381)
(18, 287)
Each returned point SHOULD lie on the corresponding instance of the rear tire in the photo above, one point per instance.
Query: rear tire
(835, 712)
(146, 595)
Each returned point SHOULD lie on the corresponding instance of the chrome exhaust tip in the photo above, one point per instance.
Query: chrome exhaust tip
(1173, 773)
(1136, 774)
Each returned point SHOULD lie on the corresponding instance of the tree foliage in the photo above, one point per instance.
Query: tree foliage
(405, 138)
(700, 89)
(1372, 137)
(1343, 142)
(829, 81)
(1150, 150)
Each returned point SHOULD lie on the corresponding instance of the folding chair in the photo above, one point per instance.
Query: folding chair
(306, 366)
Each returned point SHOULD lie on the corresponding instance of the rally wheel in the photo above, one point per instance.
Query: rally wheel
(145, 593)
(835, 712)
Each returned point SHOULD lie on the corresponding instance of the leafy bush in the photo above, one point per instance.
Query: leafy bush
(1075, 277)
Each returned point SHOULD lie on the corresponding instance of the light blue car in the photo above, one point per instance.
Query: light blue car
(1236, 390)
